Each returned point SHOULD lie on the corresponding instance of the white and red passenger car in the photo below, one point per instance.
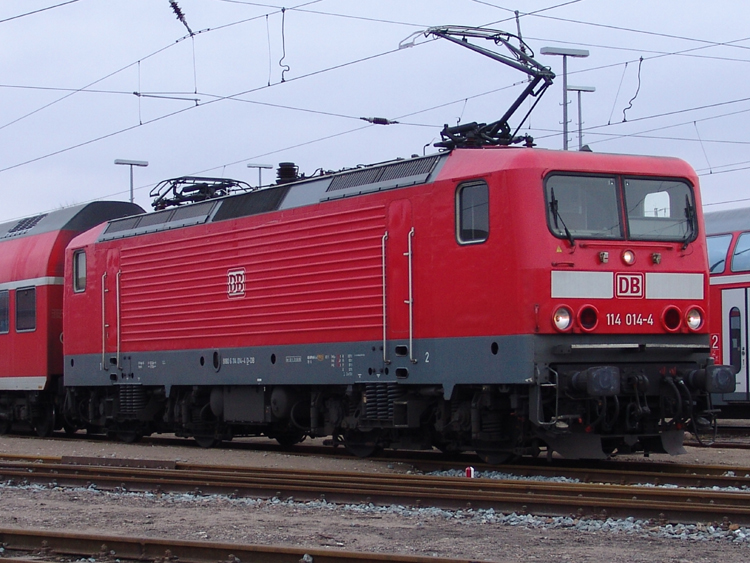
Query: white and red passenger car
(31, 307)
(728, 236)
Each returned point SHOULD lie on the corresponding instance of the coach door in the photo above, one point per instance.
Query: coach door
(111, 312)
(734, 330)
(399, 286)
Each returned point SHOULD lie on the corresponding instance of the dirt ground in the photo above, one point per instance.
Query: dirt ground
(430, 533)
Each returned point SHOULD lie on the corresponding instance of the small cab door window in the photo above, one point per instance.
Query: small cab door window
(26, 309)
(473, 213)
(4, 312)
(79, 271)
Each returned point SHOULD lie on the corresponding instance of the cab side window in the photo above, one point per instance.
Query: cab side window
(79, 271)
(472, 213)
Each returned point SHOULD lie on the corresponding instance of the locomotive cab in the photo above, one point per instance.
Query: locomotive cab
(626, 362)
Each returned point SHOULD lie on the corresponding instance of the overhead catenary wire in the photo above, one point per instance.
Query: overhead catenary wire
(38, 11)
(140, 60)
(218, 98)
(183, 110)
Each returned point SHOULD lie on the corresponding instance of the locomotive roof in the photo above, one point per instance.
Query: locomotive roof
(378, 177)
(727, 221)
(76, 218)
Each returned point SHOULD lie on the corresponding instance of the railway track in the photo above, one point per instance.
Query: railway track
(46, 545)
(423, 460)
(606, 497)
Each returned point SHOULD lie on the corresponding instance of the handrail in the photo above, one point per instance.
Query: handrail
(385, 347)
(410, 301)
(119, 273)
(104, 320)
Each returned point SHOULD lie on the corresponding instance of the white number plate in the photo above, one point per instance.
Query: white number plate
(629, 319)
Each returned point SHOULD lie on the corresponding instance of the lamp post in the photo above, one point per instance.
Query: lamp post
(260, 167)
(131, 163)
(565, 53)
(580, 89)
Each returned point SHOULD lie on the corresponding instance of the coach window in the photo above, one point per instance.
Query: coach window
(473, 213)
(735, 339)
(741, 256)
(25, 309)
(79, 271)
(4, 312)
(718, 246)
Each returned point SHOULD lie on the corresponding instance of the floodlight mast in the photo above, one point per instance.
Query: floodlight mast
(498, 132)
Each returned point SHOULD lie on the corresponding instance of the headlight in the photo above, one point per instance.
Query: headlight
(562, 319)
(628, 257)
(694, 319)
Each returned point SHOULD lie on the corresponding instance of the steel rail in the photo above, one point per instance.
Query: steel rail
(45, 543)
(545, 498)
(609, 471)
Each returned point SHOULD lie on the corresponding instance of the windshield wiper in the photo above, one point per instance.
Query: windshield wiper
(556, 216)
(690, 216)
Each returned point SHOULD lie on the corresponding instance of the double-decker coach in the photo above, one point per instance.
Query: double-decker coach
(31, 308)
(728, 236)
(499, 300)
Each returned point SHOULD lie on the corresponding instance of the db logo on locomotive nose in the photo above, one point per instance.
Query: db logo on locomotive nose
(629, 285)
(236, 283)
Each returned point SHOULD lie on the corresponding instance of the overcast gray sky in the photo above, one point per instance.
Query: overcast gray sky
(211, 103)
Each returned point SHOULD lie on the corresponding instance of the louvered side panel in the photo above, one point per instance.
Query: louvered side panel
(270, 283)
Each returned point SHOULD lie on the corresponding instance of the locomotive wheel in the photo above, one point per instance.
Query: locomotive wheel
(361, 444)
(45, 425)
(495, 457)
(288, 439)
(129, 437)
(206, 441)
(4, 427)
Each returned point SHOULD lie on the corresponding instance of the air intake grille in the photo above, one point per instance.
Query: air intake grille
(26, 224)
(405, 169)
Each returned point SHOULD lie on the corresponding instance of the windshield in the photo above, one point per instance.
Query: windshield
(586, 205)
(659, 209)
(589, 207)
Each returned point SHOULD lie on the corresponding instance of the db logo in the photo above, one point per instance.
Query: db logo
(236, 283)
(629, 285)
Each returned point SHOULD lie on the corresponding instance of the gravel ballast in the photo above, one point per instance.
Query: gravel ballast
(473, 534)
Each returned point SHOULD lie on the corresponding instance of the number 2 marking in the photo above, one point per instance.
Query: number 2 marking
(427, 357)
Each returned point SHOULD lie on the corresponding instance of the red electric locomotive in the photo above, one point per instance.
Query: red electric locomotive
(728, 236)
(497, 299)
(31, 290)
